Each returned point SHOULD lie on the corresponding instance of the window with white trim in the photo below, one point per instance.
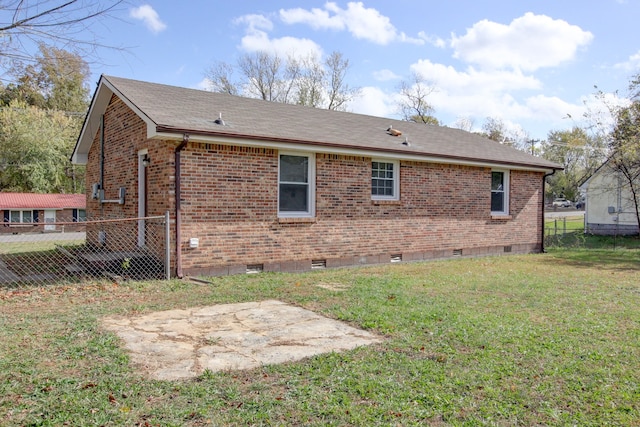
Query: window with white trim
(21, 217)
(296, 182)
(499, 192)
(385, 180)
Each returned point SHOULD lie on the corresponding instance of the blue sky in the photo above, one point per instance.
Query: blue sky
(531, 64)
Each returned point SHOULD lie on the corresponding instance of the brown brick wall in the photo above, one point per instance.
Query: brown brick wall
(229, 202)
(232, 210)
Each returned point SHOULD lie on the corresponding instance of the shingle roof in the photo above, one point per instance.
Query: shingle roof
(42, 201)
(176, 109)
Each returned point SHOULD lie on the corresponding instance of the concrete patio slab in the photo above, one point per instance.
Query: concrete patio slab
(180, 344)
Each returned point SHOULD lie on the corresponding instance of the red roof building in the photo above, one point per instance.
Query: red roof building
(41, 201)
(27, 212)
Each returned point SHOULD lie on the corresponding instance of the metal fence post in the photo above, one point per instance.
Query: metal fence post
(167, 241)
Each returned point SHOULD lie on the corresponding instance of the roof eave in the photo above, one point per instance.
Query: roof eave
(175, 133)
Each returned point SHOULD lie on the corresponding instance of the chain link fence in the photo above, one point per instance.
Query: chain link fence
(569, 232)
(68, 251)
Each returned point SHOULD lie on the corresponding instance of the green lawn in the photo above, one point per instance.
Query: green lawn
(549, 339)
(575, 223)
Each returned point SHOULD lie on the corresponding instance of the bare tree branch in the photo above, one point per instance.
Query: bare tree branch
(304, 81)
(414, 105)
(50, 21)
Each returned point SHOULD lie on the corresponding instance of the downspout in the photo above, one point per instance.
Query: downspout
(544, 185)
(101, 189)
(179, 148)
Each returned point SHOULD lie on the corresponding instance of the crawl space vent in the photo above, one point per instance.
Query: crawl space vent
(318, 263)
(396, 257)
(457, 252)
(255, 268)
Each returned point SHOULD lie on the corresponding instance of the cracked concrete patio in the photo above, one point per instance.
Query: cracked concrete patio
(179, 344)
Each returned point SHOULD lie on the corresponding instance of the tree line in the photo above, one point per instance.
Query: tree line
(41, 114)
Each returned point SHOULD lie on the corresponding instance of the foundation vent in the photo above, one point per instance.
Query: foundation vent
(396, 257)
(318, 263)
(457, 252)
(255, 268)
(507, 249)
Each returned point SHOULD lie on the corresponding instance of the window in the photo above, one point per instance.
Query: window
(296, 182)
(384, 180)
(499, 192)
(79, 215)
(22, 217)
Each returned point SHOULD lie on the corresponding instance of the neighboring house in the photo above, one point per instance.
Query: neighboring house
(252, 185)
(31, 212)
(609, 206)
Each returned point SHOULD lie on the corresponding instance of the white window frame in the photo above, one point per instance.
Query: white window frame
(396, 180)
(21, 216)
(505, 192)
(311, 193)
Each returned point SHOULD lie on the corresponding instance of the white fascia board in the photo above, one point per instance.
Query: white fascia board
(311, 148)
(92, 123)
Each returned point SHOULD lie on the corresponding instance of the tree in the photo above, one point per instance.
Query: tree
(570, 148)
(41, 115)
(413, 103)
(55, 81)
(35, 145)
(266, 76)
(464, 123)
(221, 80)
(303, 81)
(308, 78)
(339, 92)
(63, 22)
(495, 129)
(24, 90)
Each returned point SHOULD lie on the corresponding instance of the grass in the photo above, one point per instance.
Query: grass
(34, 246)
(568, 224)
(549, 339)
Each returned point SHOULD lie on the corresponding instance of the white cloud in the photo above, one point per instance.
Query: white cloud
(502, 94)
(255, 22)
(432, 40)
(598, 109)
(363, 23)
(385, 75)
(257, 39)
(474, 81)
(631, 64)
(149, 16)
(283, 46)
(204, 84)
(527, 43)
(374, 102)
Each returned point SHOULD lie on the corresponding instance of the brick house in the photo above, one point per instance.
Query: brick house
(254, 185)
(31, 212)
